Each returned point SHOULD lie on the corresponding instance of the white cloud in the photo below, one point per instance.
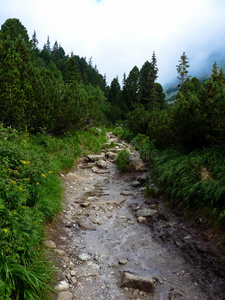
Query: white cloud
(120, 34)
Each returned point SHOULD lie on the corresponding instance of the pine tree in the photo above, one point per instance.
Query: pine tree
(182, 71)
(34, 41)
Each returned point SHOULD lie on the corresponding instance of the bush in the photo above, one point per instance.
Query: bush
(122, 160)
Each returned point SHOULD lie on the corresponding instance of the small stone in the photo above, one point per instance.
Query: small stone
(142, 283)
(50, 244)
(86, 225)
(74, 280)
(101, 163)
(126, 193)
(123, 261)
(60, 252)
(111, 155)
(62, 286)
(65, 296)
(146, 212)
(73, 273)
(141, 219)
(85, 204)
(188, 237)
(95, 157)
(84, 257)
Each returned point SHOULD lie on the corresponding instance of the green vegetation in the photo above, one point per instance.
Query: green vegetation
(122, 160)
(30, 195)
(49, 99)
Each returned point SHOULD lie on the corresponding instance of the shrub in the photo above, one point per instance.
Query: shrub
(122, 160)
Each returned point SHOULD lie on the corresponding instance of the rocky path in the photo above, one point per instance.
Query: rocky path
(111, 242)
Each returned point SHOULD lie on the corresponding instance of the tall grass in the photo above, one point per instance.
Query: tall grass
(194, 180)
(30, 195)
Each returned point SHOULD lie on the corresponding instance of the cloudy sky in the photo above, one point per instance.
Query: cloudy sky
(120, 34)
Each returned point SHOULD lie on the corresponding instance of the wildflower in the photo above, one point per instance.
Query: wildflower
(35, 222)
(25, 162)
(23, 207)
(15, 212)
(20, 188)
(37, 183)
(5, 230)
(13, 182)
(49, 172)
(43, 175)
(27, 179)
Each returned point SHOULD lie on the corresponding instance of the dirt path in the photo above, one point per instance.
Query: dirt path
(111, 242)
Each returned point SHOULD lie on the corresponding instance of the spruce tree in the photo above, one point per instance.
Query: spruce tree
(182, 71)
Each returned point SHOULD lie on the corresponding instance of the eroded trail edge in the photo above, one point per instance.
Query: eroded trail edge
(112, 242)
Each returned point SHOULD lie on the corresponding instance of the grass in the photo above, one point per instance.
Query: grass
(193, 181)
(30, 196)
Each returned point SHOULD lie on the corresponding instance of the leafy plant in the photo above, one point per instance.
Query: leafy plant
(122, 160)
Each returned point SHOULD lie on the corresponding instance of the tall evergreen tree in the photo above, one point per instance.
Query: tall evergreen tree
(182, 69)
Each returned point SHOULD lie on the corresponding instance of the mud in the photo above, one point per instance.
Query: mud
(102, 237)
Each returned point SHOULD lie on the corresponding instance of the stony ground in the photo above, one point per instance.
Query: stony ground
(112, 242)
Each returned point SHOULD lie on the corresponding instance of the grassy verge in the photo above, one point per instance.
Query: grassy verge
(30, 196)
(194, 182)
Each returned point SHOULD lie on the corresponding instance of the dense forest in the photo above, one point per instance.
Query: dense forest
(50, 104)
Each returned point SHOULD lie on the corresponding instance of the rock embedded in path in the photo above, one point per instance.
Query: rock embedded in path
(101, 163)
(137, 165)
(146, 212)
(126, 193)
(84, 257)
(136, 183)
(142, 283)
(86, 225)
(85, 204)
(50, 244)
(141, 219)
(97, 171)
(111, 155)
(62, 286)
(60, 252)
(65, 296)
(95, 157)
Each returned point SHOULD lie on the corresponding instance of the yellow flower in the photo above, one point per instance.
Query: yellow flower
(37, 183)
(20, 188)
(13, 182)
(25, 162)
(23, 207)
(49, 172)
(35, 222)
(27, 179)
(15, 212)
(43, 175)
(5, 230)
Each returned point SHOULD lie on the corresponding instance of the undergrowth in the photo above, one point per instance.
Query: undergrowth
(30, 196)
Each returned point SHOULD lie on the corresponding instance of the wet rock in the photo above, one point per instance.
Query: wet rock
(62, 286)
(146, 212)
(65, 296)
(95, 157)
(50, 244)
(143, 283)
(141, 219)
(137, 165)
(86, 225)
(85, 204)
(97, 171)
(126, 193)
(93, 265)
(111, 155)
(84, 257)
(60, 252)
(101, 163)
